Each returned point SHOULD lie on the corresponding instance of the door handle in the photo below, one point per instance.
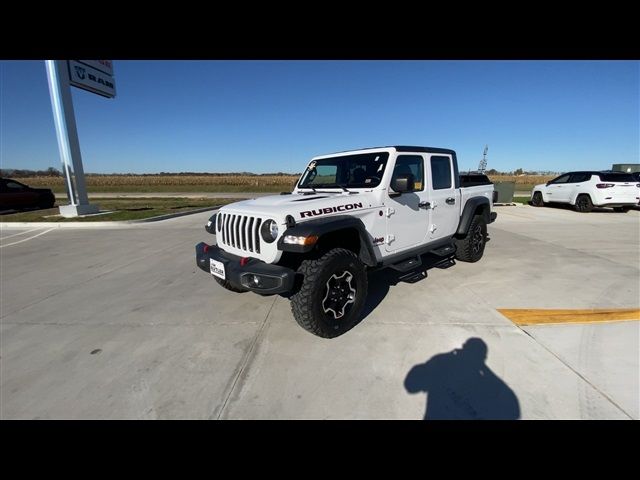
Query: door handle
(425, 205)
(450, 201)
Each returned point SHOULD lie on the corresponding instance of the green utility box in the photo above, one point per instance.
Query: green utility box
(505, 191)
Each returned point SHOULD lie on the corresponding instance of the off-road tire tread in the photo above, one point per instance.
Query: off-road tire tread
(464, 251)
(301, 302)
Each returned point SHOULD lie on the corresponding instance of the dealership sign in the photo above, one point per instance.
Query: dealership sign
(105, 66)
(93, 75)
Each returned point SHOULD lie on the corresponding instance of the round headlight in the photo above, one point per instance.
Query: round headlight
(269, 231)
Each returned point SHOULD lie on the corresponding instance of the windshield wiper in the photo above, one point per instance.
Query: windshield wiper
(311, 188)
(333, 185)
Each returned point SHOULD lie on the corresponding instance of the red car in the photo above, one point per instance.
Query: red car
(15, 195)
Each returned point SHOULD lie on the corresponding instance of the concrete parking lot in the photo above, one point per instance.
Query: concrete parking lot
(119, 323)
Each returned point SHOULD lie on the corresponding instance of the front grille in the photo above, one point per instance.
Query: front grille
(240, 231)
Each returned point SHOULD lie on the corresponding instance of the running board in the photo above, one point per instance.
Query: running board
(413, 277)
(407, 265)
(445, 251)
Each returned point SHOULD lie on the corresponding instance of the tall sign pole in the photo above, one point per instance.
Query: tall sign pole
(94, 76)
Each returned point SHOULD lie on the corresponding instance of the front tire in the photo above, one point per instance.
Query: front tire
(537, 201)
(332, 294)
(471, 248)
(583, 203)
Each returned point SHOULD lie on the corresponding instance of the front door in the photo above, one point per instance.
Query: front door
(407, 222)
(16, 195)
(559, 189)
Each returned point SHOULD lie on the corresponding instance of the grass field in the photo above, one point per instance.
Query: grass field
(216, 183)
(172, 183)
(122, 209)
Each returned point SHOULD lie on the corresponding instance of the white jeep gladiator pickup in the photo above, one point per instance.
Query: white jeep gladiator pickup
(349, 212)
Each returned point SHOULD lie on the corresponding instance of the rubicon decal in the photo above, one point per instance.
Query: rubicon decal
(327, 210)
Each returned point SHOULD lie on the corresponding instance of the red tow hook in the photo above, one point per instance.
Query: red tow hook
(205, 249)
(244, 261)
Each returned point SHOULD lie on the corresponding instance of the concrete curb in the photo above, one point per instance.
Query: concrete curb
(125, 223)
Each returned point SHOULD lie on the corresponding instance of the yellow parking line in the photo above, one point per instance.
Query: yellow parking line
(530, 316)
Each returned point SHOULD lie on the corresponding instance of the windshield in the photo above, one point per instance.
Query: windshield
(362, 170)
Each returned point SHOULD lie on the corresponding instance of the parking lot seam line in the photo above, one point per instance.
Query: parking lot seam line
(577, 373)
(26, 239)
(137, 259)
(435, 324)
(245, 363)
(21, 233)
(534, 316)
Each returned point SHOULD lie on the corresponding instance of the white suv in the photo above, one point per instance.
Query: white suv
(585, 190)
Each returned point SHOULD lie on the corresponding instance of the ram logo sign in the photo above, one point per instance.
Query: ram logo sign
(91, 79)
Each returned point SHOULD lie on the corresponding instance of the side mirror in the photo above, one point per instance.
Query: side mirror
(403, 183)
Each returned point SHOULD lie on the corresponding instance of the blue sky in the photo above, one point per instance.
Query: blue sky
(265, 116)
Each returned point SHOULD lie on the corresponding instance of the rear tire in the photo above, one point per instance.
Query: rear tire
(471, 248)
(621, 209)
(332, 294)
(537, 201)
(229, 286)
(583, 203)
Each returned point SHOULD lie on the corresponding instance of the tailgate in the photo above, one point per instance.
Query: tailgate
(623, 191)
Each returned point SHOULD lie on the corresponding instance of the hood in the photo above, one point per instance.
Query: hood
(301, 207)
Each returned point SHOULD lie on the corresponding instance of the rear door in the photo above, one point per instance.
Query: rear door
(445, 211)
(577, 184)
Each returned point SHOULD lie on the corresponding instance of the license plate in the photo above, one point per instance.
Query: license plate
(216, 268)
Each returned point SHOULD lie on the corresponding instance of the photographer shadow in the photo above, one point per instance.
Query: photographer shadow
(460, 386)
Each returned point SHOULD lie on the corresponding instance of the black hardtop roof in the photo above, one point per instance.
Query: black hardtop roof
(407, 148)
(593, 172)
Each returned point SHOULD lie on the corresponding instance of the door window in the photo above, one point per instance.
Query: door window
(412, 164)
(561, 179)
(580, 177)
(441, 172)
(14, 186)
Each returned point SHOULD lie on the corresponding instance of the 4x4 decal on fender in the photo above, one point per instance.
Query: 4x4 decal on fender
(324, 211)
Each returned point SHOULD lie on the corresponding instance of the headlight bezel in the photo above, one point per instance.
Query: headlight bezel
(269, 231)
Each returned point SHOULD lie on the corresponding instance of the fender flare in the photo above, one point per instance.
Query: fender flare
(469, 211)
(323, 226)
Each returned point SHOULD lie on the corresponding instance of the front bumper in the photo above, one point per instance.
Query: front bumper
(275, 278)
